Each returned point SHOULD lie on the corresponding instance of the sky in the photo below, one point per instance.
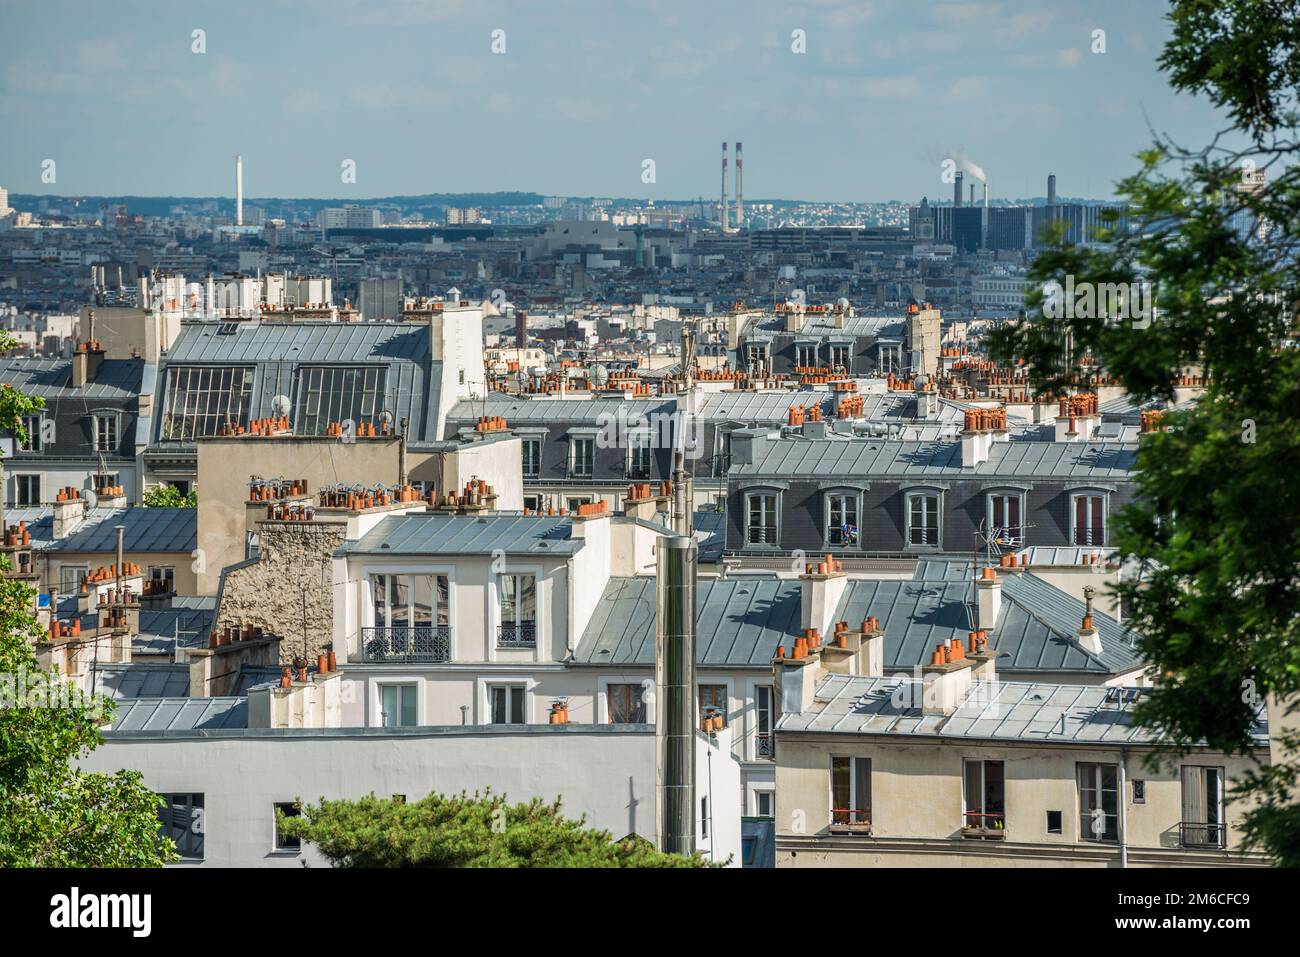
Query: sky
(584, 92)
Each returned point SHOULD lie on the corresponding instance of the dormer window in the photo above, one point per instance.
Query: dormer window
(106, 432)
(582, 456)
(1088, 518)
(1005, 516)
(761, 525)
(842, 520)
(923, 519)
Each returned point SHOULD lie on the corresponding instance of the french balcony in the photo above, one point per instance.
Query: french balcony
(406, 643)
(517, 634)
(988, 826)
(764, 746)
(848, 820)
(1202, 834)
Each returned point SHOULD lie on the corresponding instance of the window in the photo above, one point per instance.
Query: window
(851, 793)
(282, 841)
(1098, 802)
(181, 818)
(35, 440)
(338, 393)
(398, 707)
(638, 456)
(923, 519)
(163, 577)
(518, 597)
(842, 357)
(765, 804)
(532, 451)
(27, 489)
(507, 704)
(1139, 791)
(574, 503)
(582, 454)
(805, 356)
(201, 400)
(71, 577)
(106, 438)
(1054, 819)
(713, 700)
(841, 520)
(761, 527)
(1089, 520)
(412, 618)
(626, 704)
(765, 722)
(704, 817)
(1202, 824)
(984, 796)
(1004, 518)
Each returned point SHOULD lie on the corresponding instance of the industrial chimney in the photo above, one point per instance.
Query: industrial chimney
(972, 194)
(740, 203)
(675, 694)
(1051, 190)
(956, 189)
(986, 195)
(239, 190)
(723, 217)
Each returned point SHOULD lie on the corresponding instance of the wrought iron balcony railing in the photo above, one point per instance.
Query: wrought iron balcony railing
(1202, 834)
(404, 643)
(522, 634)
(764, 745)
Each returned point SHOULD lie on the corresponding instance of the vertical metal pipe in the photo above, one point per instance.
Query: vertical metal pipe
(723, 215)
(740, 203)
(675, 694)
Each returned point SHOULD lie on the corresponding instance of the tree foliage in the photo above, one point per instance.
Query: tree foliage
(1215, 526)
(465, 831)
(51, 813)
(169, 496)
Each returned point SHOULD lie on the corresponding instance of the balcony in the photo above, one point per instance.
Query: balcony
(1202, 834)
(847, 820)
(518, 634)
(406, 643)
(990, 826)
(764, 746)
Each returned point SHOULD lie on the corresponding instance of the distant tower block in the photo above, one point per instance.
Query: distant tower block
(723, 217)
(740, 203)
(239, 191)
(956, 189)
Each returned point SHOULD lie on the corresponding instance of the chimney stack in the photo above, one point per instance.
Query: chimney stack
(675, 693)
(986, 195)
(1089, 636)
(956, 189)
(740, 204)
(239, 190)
(1051, 190)
(723, 216)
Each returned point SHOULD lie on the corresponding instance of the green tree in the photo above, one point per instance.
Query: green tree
(1215, 528)
(465, 831)
(169, 496)
(51, 813)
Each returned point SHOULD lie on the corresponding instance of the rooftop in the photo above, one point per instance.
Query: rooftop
(428, 533)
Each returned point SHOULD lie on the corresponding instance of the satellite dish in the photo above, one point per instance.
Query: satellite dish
(281, 406)
(92, 498)
(386, 419)
(599, 374)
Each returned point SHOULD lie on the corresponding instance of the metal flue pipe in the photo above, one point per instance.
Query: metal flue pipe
(675, 694)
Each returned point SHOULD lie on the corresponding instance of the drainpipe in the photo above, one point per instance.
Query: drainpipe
(675, 694)
(1123, 809)
(568, 600)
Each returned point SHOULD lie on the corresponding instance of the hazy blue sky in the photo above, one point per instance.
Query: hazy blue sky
(586, 90)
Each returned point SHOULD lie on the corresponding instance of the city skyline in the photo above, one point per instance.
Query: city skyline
(980, 83)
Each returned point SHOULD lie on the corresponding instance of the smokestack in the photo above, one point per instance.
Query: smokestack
(723, 217)
(1051, 190)
(972, 194)
(239, 191)
(956, 189)
(675, 694)
(740, 203)
(986, 195)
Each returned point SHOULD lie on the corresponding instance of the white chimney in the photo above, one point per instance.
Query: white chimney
(239, 190)
(988, 591)
(723, 218)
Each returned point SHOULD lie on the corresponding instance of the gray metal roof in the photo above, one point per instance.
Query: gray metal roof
(39, 519)
(187, 623)
(127, 681)
(180, 714)
(428, 533)
(1036, 630)
(711, 533)
(1000, 710)
(740, 622)
(867, 457)
(146, 530)
(118, 379)
(277, 349)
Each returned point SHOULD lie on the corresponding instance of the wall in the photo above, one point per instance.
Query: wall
(606, 773)
(916, 798)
